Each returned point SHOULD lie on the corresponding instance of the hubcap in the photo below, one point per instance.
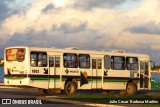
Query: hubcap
(130, 89)
(70, 88)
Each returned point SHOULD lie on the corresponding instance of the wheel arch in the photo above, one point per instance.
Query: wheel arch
(72, 80)
(132, 81)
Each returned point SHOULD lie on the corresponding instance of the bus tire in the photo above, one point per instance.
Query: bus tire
(70, 88)
(44, 91)
(131, 88)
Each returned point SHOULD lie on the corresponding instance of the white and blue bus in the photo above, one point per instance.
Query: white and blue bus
(55, 70)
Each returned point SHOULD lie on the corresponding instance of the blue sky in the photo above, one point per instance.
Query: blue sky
(130, 25)
(130, 4)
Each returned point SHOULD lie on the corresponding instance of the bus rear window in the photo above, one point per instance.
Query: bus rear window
(15, 54)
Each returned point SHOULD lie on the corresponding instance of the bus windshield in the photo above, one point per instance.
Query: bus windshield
(15, 54)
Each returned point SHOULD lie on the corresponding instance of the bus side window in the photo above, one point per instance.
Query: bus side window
(33, 63)
(38, 59)
(57, 62)
(84, 61)
(99, 63)
(132, 63)
(107, 62)
(66, 64)
(70, 60)
(33, 59)
(118, 62)
(93, 63)
(42, 59)
(40, 63)
(51, 61)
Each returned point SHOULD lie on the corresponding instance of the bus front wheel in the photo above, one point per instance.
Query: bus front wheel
(70, 88)
(131, 88)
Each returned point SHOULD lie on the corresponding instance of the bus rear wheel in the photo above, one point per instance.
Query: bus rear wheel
(131, 88)
(70, 88)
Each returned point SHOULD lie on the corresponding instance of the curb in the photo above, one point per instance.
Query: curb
(55, 99)
(10, 87)
(6, 86)
(1, 84)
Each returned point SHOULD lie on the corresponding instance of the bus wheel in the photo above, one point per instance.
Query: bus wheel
(131, 88)
(70, 88)
(44, 91)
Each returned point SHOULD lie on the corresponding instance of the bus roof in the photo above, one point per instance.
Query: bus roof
(76, 50)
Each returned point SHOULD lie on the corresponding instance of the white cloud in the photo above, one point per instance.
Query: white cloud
(92, 28)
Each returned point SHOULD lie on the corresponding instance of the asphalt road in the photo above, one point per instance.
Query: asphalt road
(24, 94)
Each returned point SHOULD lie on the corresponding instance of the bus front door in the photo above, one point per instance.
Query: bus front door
(54, 72)
(96, 73)
(144, 75)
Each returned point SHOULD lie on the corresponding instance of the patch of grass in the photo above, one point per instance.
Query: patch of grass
(106, 96)
(155, 84)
